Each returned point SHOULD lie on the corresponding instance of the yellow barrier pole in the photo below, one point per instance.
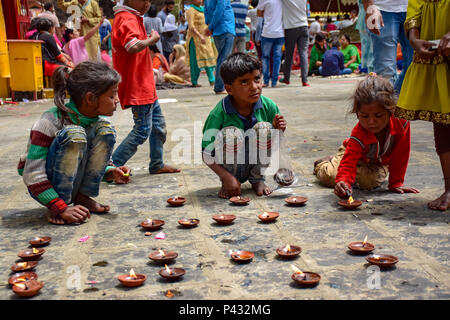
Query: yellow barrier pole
(5, 71)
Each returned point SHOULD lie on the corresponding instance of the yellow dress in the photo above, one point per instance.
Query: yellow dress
(206, 53)
(425, 93)
(91, 10)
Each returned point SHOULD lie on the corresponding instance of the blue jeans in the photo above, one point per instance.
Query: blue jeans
(343, 71)
(385, 48)
(77, 159)
(267, 45)
(224, 45)
(148, 122)
(366, 51)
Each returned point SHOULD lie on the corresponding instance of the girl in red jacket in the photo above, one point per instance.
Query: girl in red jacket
(378, 145)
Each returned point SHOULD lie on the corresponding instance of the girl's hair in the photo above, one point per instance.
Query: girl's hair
(320, 37)
(67, 34)
(44, 24)
(153, 48)
(374, 89)
(347, 37)
(152, 11)
(88, 76)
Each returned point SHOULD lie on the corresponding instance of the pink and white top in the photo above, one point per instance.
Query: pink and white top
(76, 49)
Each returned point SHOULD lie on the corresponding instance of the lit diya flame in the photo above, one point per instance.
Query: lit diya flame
(38, 239)
(175, 198)
(238, 197)
(295, 199)
(287, 248)
(22, 264)
(364, 242)
(132, 274)
(161, 253)
(297, 270)
(350, 200)
(221, 217)
(168, 269)
(265, 215)
(35, 251)
(150, 221)
(20, 280)
(21, 286)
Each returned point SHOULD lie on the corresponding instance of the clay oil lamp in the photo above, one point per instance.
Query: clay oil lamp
(305, 279)
(224, 219)
(27, 288)
(163, 257)
(24, 266)
(172, 274)
(284, 177)
(242, 256)
(350, 204)
(296, 201)
(22, 277)
(382, 260)
(132, 279)
(189, 223)
(361, 247)
(268, 216)
(176, 201)
(40, 241)
(152, 225)
(289, 252)
(31, 254)
(239, 201)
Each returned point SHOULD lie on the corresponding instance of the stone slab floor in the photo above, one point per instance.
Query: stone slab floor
(317, 124)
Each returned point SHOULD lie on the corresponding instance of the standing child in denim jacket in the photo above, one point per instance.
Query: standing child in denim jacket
(70, 146)
(243, 110)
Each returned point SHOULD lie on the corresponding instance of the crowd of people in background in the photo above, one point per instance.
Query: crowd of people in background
(280, 33)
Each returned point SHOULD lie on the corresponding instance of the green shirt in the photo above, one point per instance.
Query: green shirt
(349, 52)
(314, 57)
(223, 115)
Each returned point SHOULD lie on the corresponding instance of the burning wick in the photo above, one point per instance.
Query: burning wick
(168, 269)
(298, 271)
(221, 217)
(21, 279)
(287, 248)
(22, 264)
(21, 286)
(38, 239)
(265, 215)
(175, 198)
(132, 274)
(295, 200)
(365, 240)
(232, 252)
(350, 200)
(150, 221)
(35, 251)
(238, 197)
(162, 253)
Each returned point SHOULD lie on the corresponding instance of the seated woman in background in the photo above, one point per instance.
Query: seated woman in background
(159, 62)
(51, 54)
(179, 72)
(352, 58)
(316, 56)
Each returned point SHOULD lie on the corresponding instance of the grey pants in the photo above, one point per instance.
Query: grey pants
(296, 36)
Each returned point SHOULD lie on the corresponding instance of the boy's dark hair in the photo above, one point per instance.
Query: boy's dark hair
(254, 3)
(329, 20)
(317, 18)
(167, 2)
(152, 11)
(67, 34)
(44, 24)
(336, 43)
(374, 89)
(320, 36)
(338, 17)
(346, 16)
(48, 6)
(237, 65)
(88, 76)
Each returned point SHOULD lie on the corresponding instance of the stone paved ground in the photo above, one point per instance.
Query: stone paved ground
(317, 123)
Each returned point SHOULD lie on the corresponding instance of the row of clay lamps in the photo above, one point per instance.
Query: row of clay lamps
(24, 282)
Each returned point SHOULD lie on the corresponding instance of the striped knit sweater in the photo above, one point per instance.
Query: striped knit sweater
(32, 163)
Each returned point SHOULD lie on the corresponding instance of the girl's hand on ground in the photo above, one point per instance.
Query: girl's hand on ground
(279, 122)
(421, 47)
(340, 189)
(75, 214)
(121, 175)
(405, 189)
(444, 45)
(231, 186)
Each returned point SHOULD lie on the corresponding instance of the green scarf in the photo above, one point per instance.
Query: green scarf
(78, 118)
(199, 9)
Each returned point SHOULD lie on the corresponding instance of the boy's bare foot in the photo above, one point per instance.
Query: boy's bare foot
(54, 219)
(261, 188)
(91, 204)
(166, 169)
(442, 203)
(223, 194)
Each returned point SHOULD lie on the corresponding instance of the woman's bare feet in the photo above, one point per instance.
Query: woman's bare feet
(442, 203)
(91, 204)
(166, 169)
(54, 219)
(261, 188)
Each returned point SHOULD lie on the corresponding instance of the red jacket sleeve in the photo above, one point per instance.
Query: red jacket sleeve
(399, 159)
(347, 168)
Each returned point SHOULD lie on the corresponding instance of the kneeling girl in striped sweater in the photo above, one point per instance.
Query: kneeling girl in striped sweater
(70, 146)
